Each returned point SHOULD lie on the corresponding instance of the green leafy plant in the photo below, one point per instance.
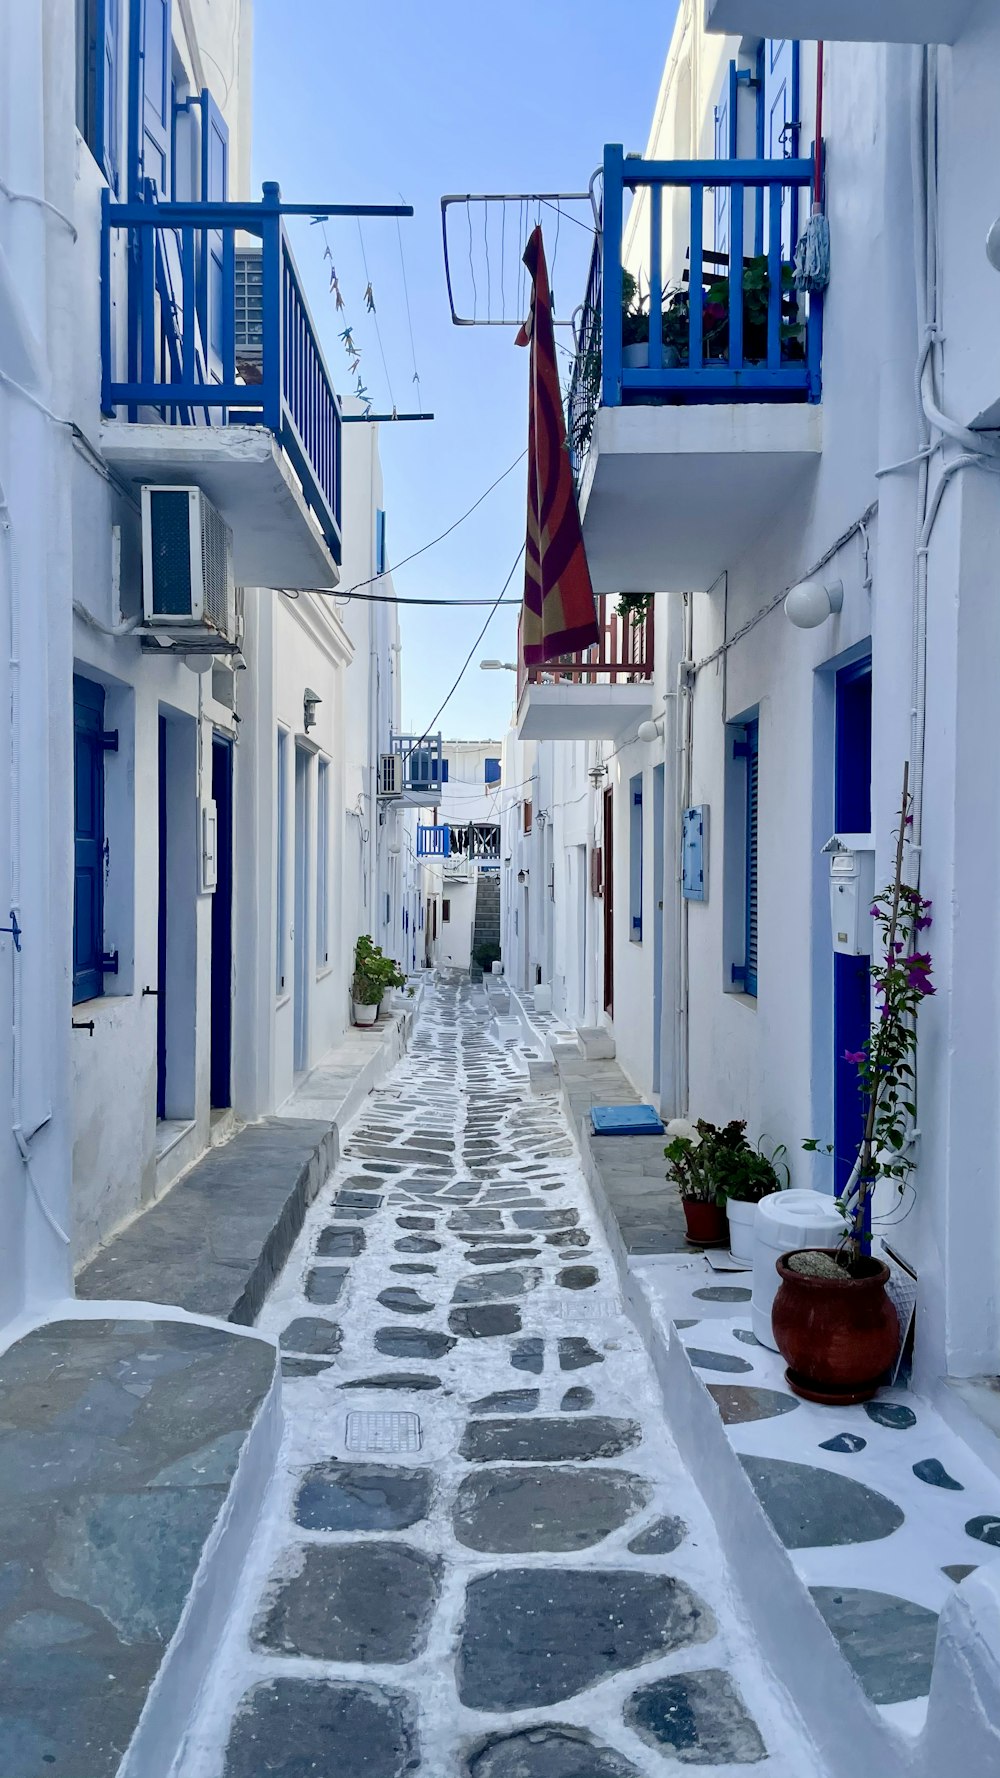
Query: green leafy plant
(713, 1162)
(486, 954)
(634, 606)
(887, 1062)
(374, 973)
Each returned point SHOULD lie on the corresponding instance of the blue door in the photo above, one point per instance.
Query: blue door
(222, 925)
(658, 800)
(851, 975)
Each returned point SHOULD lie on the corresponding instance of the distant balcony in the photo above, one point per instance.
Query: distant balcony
(412, 775)
(214, 375)
(844, 21)
(597, 695)
(692, 417)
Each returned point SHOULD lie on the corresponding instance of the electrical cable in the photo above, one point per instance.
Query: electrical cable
(465, 664)
(372, 578)
(409, 317)
(374, 315)
(395, 598)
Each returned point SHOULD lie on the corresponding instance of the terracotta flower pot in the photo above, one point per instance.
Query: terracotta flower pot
(837, 1337)
(706, 1223)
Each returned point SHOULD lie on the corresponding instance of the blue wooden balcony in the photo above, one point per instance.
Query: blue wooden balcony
(433, 842)
(685, 401)
(216, 337)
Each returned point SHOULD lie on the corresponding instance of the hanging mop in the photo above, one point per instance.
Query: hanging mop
(812, 255)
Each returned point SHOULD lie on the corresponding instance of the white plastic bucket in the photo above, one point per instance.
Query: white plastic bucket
(786, 1220)
(742, 1222)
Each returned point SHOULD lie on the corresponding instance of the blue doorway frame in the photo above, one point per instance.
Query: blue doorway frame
(222, 926)
(852, 804)
(659, 778)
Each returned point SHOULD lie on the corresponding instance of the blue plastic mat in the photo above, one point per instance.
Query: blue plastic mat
(625, 1120)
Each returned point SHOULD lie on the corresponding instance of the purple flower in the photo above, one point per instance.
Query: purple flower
(925, 920)
(855, 1056)
(875, 911)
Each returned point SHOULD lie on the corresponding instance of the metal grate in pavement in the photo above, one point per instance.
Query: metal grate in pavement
(391, 1433)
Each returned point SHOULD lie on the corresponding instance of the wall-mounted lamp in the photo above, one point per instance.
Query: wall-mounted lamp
(993, 246)
(650, 731)
(597, 775)
(309, 701)
(811, 602)
(522, 876)
(498, 666)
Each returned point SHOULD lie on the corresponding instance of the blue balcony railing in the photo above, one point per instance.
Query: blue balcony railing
(424, 764)
(434, 842)
(218, 332)
(674, 335)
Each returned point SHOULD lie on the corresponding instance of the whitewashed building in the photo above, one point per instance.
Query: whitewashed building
(197, 835)
(459, 853)
(698, 762)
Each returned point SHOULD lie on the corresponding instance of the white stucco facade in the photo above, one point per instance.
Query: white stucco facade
(913, 547)
(230, 907)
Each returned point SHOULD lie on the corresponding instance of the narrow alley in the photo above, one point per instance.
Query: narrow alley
(480, 1555)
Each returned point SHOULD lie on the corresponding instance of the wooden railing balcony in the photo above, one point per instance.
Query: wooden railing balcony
(622, 656)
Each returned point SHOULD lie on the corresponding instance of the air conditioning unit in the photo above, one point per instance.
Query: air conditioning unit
(390, 774)
(187, 564)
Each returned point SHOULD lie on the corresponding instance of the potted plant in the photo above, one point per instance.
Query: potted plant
(833, 1323)
(690, 1156)
(374, 973)
(747, 1175)
(635, 325)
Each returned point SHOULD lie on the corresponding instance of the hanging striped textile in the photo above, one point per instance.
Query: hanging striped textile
(560, 615)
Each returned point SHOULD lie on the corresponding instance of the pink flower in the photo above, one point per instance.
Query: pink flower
(855, 1056)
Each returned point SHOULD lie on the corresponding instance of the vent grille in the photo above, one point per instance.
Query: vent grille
(249, 307)
(215, 567)
(170, 547)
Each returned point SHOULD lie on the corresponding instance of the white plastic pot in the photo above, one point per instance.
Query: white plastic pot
(742, 1221)
(364, 1015)
(787, 1220)
(636, 357)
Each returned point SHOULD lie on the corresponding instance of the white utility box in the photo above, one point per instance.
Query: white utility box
(852, 890)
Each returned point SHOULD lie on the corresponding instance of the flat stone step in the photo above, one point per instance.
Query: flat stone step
(120, 1443)
(216, 1242)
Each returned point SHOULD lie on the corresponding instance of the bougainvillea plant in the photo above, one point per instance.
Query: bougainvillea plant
(901, 974)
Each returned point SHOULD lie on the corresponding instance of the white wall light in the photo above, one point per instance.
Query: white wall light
(650, 732)
(811, 602)
(993, 246)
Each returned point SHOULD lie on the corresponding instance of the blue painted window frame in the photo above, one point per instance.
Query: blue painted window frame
(214, 190)
(88, 839)
(150, 112)
(635, 858)
(747, 748)
(491, 771)
(281, 861)
(99, 46)
(380, 556)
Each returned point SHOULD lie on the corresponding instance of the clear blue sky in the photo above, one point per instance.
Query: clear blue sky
(389, 99)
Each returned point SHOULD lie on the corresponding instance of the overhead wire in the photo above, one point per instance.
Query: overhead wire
(372, 578)
(465, 664)
(374, 315)
(409, 317)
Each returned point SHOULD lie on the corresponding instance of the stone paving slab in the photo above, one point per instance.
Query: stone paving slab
(118, 1444)
(479, 1508)
(215, 1243)
(630, 1169)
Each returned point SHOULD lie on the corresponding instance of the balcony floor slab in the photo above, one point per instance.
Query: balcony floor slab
(843, 21)
(246, 476)
(569, 712)
(671, 495)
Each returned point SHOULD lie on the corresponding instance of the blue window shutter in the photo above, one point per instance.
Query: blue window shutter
(635, 859)
(149, 113)
(108, 96)
(214, 190)
(444, 771)
(88, 839)
(750, 978)
(492, 771)
(379, 541)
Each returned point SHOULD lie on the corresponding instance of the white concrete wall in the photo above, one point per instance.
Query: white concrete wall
(83, 1151)
(770, 1058)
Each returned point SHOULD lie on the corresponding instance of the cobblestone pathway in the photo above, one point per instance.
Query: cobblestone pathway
(481, 1556)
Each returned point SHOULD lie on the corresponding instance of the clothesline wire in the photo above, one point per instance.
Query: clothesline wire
(409, 317)
(374, 314)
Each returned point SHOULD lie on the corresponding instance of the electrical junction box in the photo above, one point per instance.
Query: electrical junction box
(852, 890)
(694, 853)
(209, 847)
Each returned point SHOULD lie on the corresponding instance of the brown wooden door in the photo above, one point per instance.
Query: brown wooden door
(609, 901)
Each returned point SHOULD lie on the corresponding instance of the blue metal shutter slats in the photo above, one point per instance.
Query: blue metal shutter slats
(149, 61)
(88, 839)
